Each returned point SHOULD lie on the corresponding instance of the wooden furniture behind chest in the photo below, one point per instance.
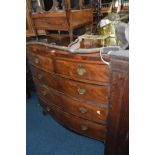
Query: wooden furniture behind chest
(29, 25)
(74, 88)
(65, 19)
(30, 31)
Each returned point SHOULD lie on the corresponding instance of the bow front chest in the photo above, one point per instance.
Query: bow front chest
(73, 88)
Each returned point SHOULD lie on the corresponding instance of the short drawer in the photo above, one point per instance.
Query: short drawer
(78, 125)
(81, 109)
(38, 49)
(42, 62)
(97, 73)
(84, 91)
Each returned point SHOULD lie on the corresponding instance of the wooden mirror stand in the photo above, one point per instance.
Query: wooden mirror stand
(64, 19)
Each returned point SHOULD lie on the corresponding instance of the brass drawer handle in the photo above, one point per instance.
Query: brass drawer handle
(48, 109)
(84, 128)
(36, 60)
(39, 76)
(81, 91)
(81, 70)
(44, 93)
(82, 110)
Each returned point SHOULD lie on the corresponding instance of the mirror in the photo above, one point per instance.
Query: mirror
(55, 5)
(37, 6)
(48, 4)
(87, 3)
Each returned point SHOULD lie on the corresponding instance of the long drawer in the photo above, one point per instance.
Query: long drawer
(82, 126)
(81, 109)
(90, 92)
(97, 73)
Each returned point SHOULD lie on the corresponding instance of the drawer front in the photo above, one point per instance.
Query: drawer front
(75, 107)
(42, 62)
(73, 88)
(81, 126)
(94, 93)
(82, 71)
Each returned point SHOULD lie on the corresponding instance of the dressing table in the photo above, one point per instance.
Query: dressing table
(62, 17)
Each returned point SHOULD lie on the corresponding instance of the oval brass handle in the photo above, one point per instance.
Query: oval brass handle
(83, 110)
(48, 109)
(84, 128)
(81, 70)
(81, 91)
(44, 93)
(36, 60)
(39, 76)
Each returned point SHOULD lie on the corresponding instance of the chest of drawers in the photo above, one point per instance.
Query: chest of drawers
(73, 88)
(84, 94)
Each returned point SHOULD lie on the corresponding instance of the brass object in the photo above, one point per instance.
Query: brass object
(81, 91)
(44, 93)
(36, 60)
(109, 30)
(81, 70)
(84, 128)
(39, 76)
(83, 110)
(111, 41)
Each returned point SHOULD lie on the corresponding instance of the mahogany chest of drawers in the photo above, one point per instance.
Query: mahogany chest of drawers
(73, 88)
(82, 92)
(85, 94)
